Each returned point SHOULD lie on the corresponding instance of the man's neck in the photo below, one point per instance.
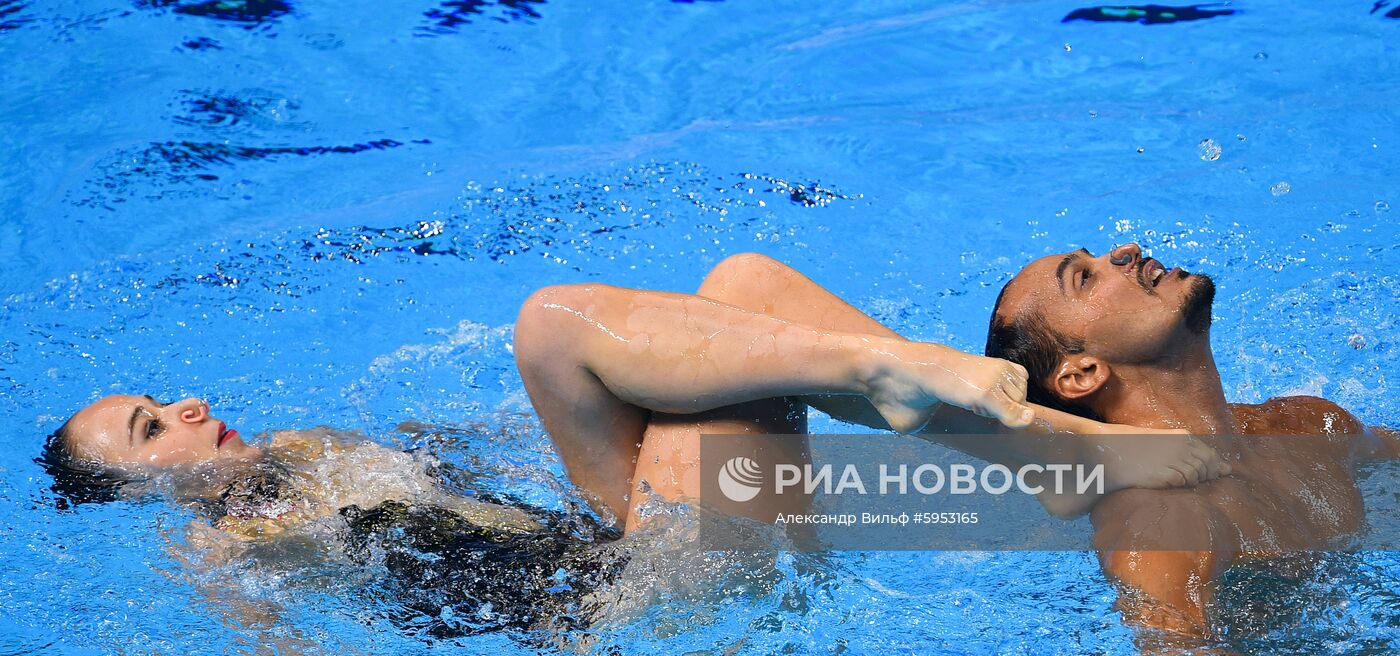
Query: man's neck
(1181, 393)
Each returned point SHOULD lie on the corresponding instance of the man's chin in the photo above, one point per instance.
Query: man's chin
(1196, 308)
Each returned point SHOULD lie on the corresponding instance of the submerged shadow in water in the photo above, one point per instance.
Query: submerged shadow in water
(222, 110)
(1146, 14)
(165, 164)
(453, 14)
(10, 16)
(247, 13)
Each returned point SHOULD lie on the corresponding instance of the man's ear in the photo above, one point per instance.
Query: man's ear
(1080, 376)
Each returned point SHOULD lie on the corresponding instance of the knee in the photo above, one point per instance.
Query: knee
(733, 279)
(741, 264)
(538, 326)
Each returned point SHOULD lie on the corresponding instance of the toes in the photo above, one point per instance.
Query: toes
(1010, 412)
(1175, 476)
(1189, 474)
(1219, 468)
(1212, 466)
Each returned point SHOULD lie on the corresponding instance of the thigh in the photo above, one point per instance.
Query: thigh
(668, 463)
(759, 283)
(668, 460)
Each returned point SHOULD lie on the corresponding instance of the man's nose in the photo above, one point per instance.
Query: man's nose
(1125, 254)
(193, 410)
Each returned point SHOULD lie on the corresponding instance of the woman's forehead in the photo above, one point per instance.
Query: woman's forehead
(112, 405)
(100, 425)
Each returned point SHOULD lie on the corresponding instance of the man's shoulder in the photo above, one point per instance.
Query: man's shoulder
(1303, 414)
(1137, 519)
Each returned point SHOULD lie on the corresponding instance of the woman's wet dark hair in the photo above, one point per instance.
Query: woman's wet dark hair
(78, 480)
(1030, 342)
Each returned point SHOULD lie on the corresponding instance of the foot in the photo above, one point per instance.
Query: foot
(1154, 459)
(908, 380)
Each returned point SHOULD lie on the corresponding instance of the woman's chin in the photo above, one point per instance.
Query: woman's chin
(237, 449)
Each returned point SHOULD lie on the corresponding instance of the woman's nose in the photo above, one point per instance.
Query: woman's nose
(1125, 254)
(193, 410)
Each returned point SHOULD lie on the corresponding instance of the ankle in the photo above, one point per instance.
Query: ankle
(872, 362)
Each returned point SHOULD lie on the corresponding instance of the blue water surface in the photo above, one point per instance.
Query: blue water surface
(320, 213)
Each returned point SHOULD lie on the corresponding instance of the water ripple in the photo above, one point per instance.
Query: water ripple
(451, 16)
(172, 163)
(249, 14)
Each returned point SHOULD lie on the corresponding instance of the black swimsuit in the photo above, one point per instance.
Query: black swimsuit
(457, 577)
(486, 578)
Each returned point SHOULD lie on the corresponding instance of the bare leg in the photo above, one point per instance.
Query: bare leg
(669, 463)
(668, 466)
(596, 359)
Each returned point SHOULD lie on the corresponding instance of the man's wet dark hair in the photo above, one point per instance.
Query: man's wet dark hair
(77, 480)
(1029, 341)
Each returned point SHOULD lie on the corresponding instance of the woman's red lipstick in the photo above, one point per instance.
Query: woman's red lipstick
(224, 434)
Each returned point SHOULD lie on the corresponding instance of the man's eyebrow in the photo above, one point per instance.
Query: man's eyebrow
(1064, 264)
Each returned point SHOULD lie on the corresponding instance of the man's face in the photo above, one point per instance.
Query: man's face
(1124, 308)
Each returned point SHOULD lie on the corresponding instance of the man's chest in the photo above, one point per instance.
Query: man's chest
(1289, 496)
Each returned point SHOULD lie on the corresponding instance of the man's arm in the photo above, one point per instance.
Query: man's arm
(1378, 443)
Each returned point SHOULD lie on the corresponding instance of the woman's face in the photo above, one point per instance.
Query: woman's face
(138, 431)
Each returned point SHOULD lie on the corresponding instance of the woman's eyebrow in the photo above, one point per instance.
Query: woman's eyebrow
(131, 423)
(131, 426)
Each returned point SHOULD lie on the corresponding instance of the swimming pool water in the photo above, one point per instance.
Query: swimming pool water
(317, 213)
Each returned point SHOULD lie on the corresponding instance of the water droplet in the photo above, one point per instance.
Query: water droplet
(1261, 56)
(1281, 188)
(1210, 151)
(1240, 137)
(1356, 341)
(1140, 149)
(1067, 48)
(1093, 114)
